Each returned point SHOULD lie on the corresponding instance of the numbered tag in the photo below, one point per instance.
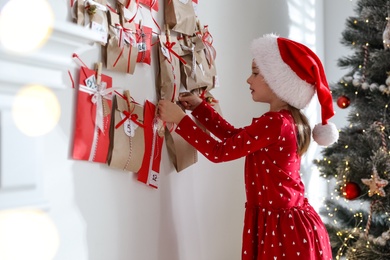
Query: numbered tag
(216, 81)
(129, 126)
(165, 52)
(153, 179)
(90, 83)
(141, 47)
(102, 32)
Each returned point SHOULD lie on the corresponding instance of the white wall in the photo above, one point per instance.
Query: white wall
(197, 214)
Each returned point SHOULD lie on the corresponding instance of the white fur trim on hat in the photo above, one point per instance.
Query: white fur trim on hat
(285, 83)
(325, 134)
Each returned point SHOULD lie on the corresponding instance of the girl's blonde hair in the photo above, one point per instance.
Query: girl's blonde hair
(304, 130)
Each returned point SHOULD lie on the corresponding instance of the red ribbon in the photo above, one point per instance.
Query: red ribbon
(131, 116)
(120, 54)
(169, 46)
(135, 14)
(211, 53)
(111, 9)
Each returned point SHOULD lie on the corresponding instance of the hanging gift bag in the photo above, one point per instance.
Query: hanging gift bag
(121, 52)
(144, 43)
(127, 146)
(180, 16)
(169, 68)
(93, 115)
(209, 51)
(195, 73)
(181, 153)
(95, 18)
(150, 169)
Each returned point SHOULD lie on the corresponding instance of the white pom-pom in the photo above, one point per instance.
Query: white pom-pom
(356, 82)
(365, 85)
(325, 134)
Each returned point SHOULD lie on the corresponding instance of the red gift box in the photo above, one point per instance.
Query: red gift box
(93, 115)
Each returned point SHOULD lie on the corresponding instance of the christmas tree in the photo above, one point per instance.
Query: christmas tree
(357, 212)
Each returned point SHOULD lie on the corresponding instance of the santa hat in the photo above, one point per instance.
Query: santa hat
(295, 74)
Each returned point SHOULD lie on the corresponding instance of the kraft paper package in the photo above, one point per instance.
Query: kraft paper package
(121, 50)
(127, 146)
(180, 16)
(93, 116)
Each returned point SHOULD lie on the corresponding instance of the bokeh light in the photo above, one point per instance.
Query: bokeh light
(25, 25)
(27, 234)
(36, 110)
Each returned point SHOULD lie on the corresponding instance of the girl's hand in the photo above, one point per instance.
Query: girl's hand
(170, 112)
(189, 101)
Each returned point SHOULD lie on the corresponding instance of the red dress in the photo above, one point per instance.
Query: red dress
(279, 222)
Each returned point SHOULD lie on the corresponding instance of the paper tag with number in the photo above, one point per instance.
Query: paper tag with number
(153, 179)
(165, 52)
(141, 47)
(90, 83)
(100, 29)
(129, 126)
(216, 81)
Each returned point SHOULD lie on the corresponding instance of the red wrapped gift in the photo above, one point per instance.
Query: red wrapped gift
(151, 4)
(150, 169)
(93, 115)
(144, 43)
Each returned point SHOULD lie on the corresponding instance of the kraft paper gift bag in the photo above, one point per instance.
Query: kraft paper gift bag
(180, 16)
(181, 153)
(127, 146)
(93, 116)
(121, 50)
(169, 68)
(95, 18)
(196, 73)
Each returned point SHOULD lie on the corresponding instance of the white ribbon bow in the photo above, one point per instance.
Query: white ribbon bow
(98, 94)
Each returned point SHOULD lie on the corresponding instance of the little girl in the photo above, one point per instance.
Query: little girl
(279, 221)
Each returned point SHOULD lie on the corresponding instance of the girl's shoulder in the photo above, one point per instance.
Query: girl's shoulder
(276, 115)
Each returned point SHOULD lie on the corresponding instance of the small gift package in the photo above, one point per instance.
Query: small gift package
(121, 52)
(195, 73)
(150, 169)
(169, 73)
(127, 134)
(181, 153)
(209, 52)
(93, 116)
(144, 43)
(95, 17)
(180, 16)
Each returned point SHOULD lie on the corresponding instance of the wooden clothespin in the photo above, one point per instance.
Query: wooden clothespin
(199, 27)
(98, 68)
(167, 33)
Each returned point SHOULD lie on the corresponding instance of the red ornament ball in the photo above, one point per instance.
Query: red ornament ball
(351, 190)
(343, 102)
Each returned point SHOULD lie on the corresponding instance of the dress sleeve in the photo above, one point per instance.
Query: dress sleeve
(263, 132)
(213, 121)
